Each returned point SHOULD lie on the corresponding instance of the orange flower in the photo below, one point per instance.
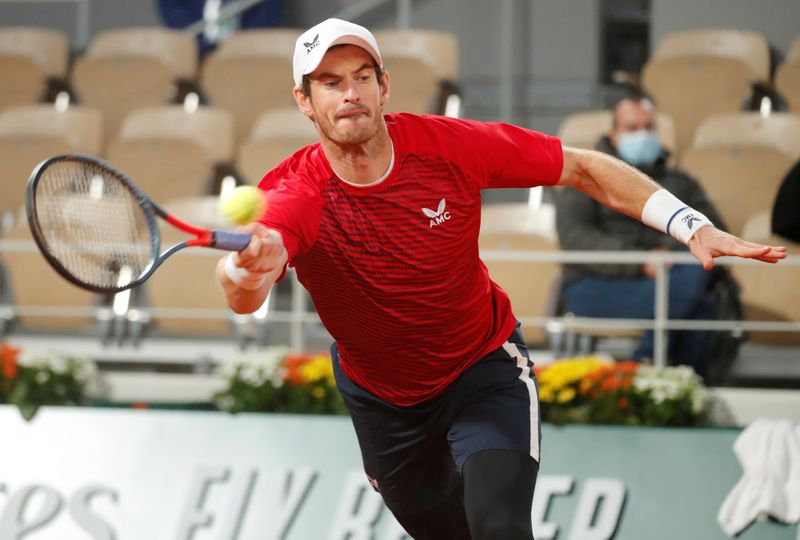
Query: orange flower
(293, 363)
(628, 367)
(622, 403)
(610, 384)
(8, 355)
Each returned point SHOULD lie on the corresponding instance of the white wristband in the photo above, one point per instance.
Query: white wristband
(241, 277)
(665, 212)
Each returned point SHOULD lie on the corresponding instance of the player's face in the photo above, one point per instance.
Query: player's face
(346, 98)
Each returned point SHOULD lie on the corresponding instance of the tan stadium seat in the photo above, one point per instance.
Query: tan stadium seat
(28, 57)
(169, 46)
(132, 68)
(417, 61)
(769, 292)
(583, 129)
(697, 74)
(530, 285)
(29, 134)
(170, 153)
(42, 299)
(251, 72)
(787, 77)
(414, 86)
(211, 127)
(202, 211)
(436, 48)
(276, 135)
(741, 159)
(184, 295)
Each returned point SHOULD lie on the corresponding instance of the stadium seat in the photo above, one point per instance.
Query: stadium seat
(29, 134)
(42, 300)
(532, 286)
(418, 61)
(28, 58)
(184, 297)
(697, 74)
(769, 292)
(131, 68)
(583, 129)
(211, 127)
(787, 78)
(249, 73)
(741, 159)
(275, 136)
(171, 153)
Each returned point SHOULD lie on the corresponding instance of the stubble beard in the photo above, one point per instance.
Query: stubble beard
(348, 136)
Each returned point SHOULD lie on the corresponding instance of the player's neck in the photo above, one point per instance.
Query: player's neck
(361, 163)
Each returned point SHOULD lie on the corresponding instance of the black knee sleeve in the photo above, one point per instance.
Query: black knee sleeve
(447, 520)
(498, 494)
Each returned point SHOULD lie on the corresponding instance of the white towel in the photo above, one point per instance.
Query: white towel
(769, 452)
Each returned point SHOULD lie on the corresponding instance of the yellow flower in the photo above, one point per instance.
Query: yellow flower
(546, 394)
(318, 392)
(317, 368)
(568, 394)
(564, 373)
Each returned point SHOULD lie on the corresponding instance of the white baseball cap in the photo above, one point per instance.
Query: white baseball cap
(312, 45)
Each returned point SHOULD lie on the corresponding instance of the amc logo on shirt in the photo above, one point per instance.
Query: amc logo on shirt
(439, 216)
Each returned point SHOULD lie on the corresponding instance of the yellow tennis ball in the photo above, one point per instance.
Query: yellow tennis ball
(243, 205)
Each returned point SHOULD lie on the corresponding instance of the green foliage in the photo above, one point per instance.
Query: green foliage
(43, 378)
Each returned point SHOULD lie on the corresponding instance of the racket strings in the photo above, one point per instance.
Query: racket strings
(93, 224)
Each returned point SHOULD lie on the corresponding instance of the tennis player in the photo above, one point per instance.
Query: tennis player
(380, 219)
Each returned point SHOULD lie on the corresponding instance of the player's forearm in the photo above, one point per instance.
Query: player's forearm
(612, 182)
(624, 189)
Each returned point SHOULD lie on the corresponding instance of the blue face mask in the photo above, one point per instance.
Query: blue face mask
(639, 147)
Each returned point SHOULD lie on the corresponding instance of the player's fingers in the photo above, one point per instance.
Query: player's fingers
(707, 262)
(703, 254)
(749, 250)
(749, 244)
(245, 257)
(773, 255)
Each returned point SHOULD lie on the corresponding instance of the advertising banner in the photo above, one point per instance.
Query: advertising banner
(116, 474)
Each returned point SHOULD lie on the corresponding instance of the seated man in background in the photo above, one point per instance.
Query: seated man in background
(628, 290)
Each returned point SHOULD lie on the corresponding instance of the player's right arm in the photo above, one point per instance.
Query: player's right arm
(287, 230)
(246, 277)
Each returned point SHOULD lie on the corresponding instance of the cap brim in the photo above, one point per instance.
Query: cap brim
(316, 57)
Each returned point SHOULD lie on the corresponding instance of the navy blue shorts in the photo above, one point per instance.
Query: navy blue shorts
(413, 455)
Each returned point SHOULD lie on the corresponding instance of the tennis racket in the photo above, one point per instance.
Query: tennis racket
(99, 230)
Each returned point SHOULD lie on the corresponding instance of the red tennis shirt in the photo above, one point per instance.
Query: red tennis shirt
(393, 267)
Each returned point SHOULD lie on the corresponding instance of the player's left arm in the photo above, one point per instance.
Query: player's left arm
(619, 186)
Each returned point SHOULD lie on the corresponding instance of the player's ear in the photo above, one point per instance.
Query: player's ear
(384, 85)
(303, 103)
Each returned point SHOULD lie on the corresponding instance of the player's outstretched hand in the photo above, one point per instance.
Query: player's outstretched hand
(264, 253)
(710, 242)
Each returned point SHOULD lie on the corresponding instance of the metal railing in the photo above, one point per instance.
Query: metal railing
(660, 323)
(299, 315)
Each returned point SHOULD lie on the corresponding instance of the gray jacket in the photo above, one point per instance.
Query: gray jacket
(585, 224)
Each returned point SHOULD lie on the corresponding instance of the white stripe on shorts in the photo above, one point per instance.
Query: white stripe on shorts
(533, 397)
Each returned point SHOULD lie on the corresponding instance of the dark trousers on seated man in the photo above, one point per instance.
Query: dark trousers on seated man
(593, 296)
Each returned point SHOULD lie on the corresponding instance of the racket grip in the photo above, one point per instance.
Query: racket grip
(231, 241)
